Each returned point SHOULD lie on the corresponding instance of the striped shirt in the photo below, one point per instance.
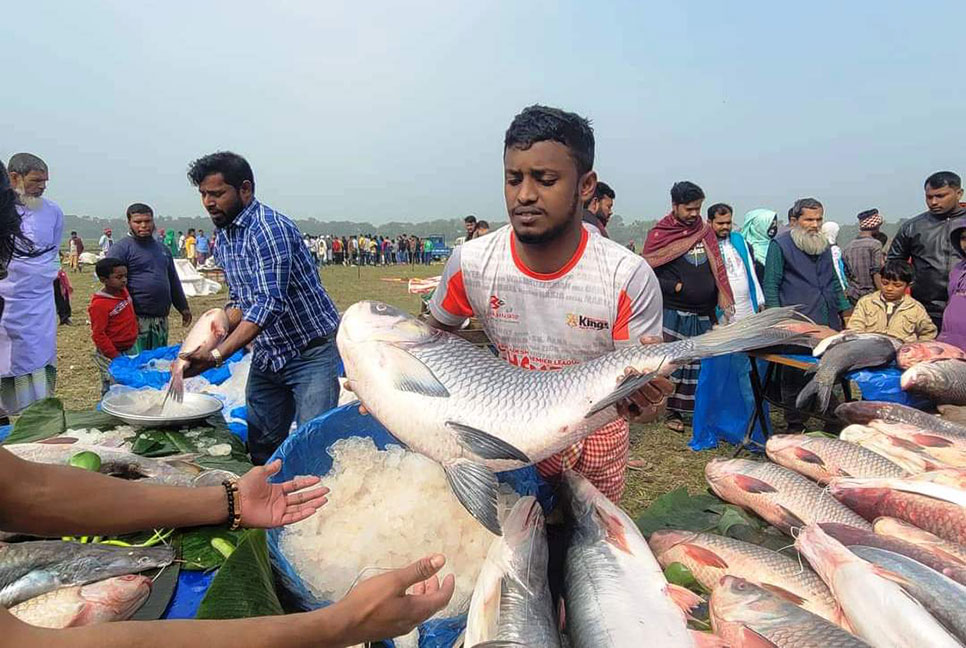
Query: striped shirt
(273, 281)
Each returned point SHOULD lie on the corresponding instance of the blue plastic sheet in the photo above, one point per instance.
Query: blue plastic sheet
(5, 431)
(878, 384)
(191, 588)
(304, 452)
(140, 370)
(724, 402)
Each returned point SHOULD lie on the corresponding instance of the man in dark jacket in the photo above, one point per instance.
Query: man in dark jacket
(925, 240)
(152, 279)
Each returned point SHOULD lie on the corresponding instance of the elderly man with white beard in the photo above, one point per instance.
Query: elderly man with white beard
(28, 331)
(800, 271)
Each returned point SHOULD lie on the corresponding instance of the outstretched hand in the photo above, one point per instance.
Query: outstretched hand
(265, 505)
(649, 403)
(381, 608)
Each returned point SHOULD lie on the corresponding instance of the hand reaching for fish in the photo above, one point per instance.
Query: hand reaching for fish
(392, 604)
(265, 505)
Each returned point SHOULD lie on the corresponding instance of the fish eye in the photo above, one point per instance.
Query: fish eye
(381, 308)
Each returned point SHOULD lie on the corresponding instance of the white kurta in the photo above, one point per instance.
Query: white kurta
(28, 328)
(738, 278)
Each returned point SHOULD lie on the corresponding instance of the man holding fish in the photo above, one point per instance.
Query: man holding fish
(276, 300)
(32, 501)
(550, 294)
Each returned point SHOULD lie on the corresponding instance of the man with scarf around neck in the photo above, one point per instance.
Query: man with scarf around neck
(925, 239)
(28, 331)
(800, 271)
(683, 250)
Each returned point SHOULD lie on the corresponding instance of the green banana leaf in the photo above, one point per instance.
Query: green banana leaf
(244, 586)
(42, 420)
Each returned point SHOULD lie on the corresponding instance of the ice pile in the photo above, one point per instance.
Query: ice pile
(387, 509)
(118, 437)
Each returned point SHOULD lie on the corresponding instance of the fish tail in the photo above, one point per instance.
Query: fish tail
(176, 387)
(755, 332)
(818, 389)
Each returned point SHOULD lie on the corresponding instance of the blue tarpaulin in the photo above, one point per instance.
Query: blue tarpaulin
(142, 371)
(880, 384)
(724, 402)
(305, 453)
(192, 587)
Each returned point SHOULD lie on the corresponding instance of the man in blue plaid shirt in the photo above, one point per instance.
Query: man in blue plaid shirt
(275, 298)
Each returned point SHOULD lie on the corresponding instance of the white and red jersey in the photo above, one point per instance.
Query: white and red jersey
(605, 297)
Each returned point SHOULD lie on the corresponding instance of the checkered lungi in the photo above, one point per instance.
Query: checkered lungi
(601, 458)
(680, 325)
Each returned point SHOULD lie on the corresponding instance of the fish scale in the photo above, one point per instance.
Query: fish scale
(737, 604)
(945, 519)
(479, 414)
(29, 569)
(823, 458)
(779, 495)
(748, 561)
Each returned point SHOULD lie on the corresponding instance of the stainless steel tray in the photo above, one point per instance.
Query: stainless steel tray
(143, 408)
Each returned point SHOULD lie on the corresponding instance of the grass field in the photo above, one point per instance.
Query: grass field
(667, 462)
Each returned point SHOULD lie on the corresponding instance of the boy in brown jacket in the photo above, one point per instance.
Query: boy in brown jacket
(891, 311)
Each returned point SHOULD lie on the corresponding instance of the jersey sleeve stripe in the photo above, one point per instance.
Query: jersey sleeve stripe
(623, 319)
(455, 302)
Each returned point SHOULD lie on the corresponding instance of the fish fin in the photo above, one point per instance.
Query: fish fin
(752, 485)
(782, 593)
(58, 441)
(704, 556)
(485, 445)
(808, 456)
(184, 354)
(890, 575)
(790, 519)
(410, 374)
(484, 612)
(475, 487)
(749, 639)
(807, 394)
(905, 444)
(683, 597)
(625, 388)
(931, 441)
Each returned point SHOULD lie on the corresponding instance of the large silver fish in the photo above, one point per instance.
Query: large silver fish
(746, 614)
(942, 596)
(172, 471)
(114, 599)
(878, 609)
(511, 601)
(476, 414)
(864, 412)
(843, 353)
(615, 591)
(209, 331)
(943, 381)
(29, 569)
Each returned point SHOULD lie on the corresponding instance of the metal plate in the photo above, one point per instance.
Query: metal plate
(143, 408)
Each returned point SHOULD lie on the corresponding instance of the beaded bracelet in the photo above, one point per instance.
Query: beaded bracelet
(234, 503)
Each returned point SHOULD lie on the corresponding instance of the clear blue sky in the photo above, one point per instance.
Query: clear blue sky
(396, 111)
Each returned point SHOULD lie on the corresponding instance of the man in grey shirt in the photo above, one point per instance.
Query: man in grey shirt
(864, 257)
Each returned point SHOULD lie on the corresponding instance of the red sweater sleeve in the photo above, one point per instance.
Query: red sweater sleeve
(99, 312)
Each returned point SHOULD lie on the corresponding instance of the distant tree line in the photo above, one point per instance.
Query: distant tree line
(449, 228)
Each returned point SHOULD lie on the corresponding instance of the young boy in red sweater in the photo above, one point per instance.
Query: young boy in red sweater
(114, 326)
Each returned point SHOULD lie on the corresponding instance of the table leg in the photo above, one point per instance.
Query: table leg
(758, 414)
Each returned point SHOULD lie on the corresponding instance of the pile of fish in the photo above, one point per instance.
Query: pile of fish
(880, 517)
(935, 370)
(56, 584)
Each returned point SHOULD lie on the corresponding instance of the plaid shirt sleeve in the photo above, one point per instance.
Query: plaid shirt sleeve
(273, 266)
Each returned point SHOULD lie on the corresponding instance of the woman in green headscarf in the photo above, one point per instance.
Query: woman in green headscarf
(171, 243)
(759, 228)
